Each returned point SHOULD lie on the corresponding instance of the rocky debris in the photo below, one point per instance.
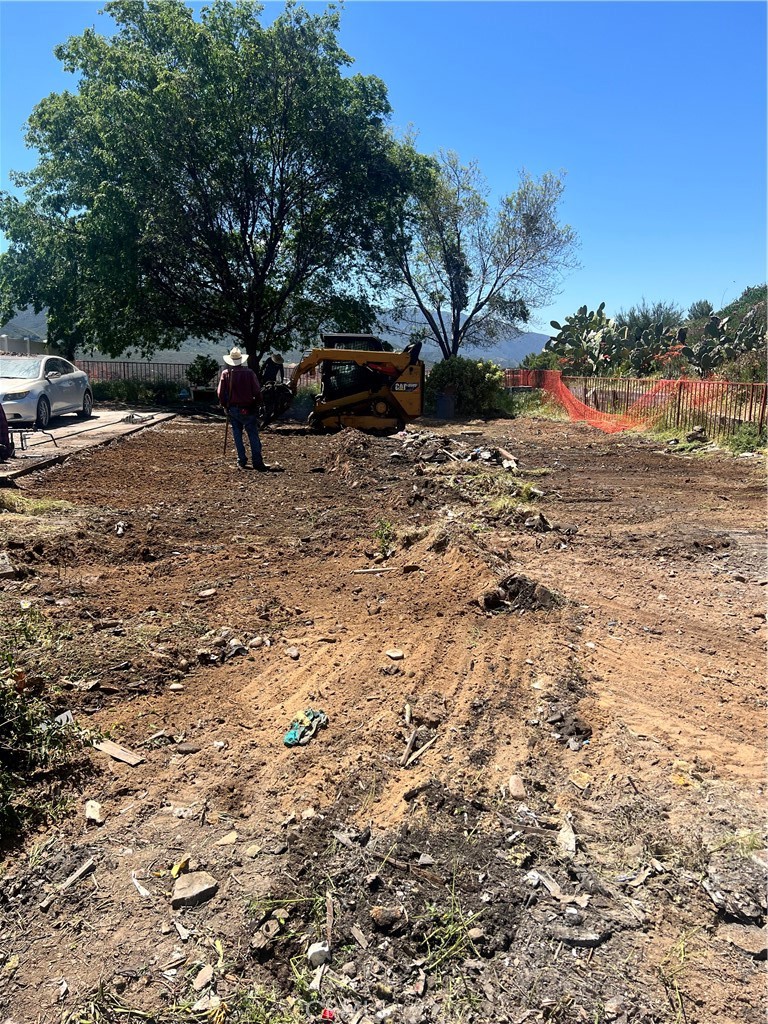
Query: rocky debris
(7, 570)
(389, 919)
(737, 887)
(538, 522)
(748, 938)
(194, 888)
(518, 592)
(698, 435)
(94, 812)
(568, 727)
(219, 645)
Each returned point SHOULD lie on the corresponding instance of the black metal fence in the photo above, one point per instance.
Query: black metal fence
(721, 407)
(101, 370)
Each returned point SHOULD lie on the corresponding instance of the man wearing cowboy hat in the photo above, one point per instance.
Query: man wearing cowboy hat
(272, 370)
(239, 392)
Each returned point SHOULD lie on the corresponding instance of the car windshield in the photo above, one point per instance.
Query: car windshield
(23, 369)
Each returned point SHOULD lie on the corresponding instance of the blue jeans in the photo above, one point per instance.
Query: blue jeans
(249, 423)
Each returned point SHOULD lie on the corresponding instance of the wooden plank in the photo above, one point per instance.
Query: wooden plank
(119, 753)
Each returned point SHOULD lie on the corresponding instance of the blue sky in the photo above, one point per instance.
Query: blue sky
(656, 111)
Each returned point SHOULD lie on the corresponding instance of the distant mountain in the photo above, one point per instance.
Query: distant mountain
(513, 351)
(27, 324)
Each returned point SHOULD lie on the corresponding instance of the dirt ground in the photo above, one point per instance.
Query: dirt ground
(576, 646)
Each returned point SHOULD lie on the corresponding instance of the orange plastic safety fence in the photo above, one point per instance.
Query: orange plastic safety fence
(661, 400)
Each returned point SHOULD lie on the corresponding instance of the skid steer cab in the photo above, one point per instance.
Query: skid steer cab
(362, 385)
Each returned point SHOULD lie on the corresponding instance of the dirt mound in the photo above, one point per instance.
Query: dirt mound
(347, 448)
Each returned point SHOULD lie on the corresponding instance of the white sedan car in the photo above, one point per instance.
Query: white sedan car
(33, 389)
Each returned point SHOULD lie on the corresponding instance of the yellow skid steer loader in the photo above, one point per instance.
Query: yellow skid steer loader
(361, 385)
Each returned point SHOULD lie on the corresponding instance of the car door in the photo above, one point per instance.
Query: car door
(72, 386)
(53, 390)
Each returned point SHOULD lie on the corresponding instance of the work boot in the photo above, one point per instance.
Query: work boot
(261, 467)
(243, 465)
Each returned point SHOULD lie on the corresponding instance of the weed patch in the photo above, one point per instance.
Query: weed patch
(18, 504)
(746, 439)
(31, 743)
(384, 535)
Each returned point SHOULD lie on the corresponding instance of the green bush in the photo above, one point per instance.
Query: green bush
(303, 402)
(33, 746)
(750, 367)
(746, 439)
(137, 392)
(477, 386)
(202, 371)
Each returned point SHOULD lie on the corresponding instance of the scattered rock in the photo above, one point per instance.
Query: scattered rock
(395, 654)
(748, 938)
(203, 979)
(7, 571)
(293, 653)
(614, 1008)
(318, 953)
(194, 888)
(94, 812)
(516, 788)
(208, 1003)
(228, 840)
(581, 939)
(389, 919)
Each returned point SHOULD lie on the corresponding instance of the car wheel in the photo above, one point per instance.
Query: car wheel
(43, 417)
(85, 412)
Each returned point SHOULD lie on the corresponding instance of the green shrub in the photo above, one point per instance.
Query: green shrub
(477, 386)
(303, 402)
(137, 392)
(202, 371)
(750, 367)
(746, 439)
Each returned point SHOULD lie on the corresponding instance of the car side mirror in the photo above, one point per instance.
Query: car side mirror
(51, 374)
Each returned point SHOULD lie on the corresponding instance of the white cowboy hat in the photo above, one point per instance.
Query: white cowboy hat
(276, 357)
(235, 357)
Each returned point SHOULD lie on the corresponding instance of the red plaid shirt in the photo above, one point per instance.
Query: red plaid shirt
(239, 387)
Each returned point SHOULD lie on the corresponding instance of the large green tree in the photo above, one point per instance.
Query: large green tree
(209, 176)
(468, 273)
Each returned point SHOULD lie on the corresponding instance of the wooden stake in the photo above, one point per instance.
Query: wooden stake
(408, 749)
(414, 757)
